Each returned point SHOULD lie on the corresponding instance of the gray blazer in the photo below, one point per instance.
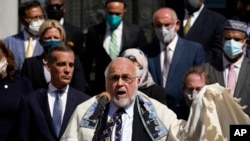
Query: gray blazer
(16, 45)
(242, 89)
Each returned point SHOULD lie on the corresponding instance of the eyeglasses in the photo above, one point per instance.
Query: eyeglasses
(35, 18)
(125, 78)
(57, 6)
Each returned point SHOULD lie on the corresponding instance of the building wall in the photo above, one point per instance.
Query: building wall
(8, 18)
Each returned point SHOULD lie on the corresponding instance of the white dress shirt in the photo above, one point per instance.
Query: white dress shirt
(171, 47)
(52, 97)
(193, 18)
(127, 121)
(118, 33)
(26, 36)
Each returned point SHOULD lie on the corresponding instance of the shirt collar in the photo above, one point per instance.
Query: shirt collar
(52, 88)
(196, 13)
(237, 63)
(129, 110)
(171, 45)
(61, 21)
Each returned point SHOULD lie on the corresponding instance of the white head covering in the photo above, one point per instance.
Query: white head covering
(137, 55)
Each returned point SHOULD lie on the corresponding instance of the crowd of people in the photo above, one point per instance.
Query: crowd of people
(157, 90)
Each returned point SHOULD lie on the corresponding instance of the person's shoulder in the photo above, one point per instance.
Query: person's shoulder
(19, 35)
(191, 43)
(79, 94)
(214, 14)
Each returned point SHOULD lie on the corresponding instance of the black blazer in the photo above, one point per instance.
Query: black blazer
(74, 35)
(33, 69)
(36, 123)
(132, 37)
(207, 30)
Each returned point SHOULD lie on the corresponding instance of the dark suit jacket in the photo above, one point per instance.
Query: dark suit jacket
(33, 69)
(242, 90)
(36, 123)
(132, 37)
(76, 36)
(207, 30)
(16, 45)
(186, 55)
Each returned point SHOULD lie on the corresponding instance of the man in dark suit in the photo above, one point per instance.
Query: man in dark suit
(99, 40)
(55, 9)
(232, 69)
(34, 67)
(205, 27)
(243, 14)
(170, 57)
(31, 16)
(45, 113)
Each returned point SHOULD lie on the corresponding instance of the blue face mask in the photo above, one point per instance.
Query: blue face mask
(232, 48)
(113, 21)
(49, 44)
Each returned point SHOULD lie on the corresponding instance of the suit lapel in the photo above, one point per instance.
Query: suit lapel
(179, 50)
(69, 109)
(198, 23)
(44, 104)
(244, 71)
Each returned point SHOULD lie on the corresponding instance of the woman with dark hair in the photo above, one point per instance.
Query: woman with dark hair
(12, 88)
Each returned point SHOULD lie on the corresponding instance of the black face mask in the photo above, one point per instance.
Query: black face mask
(55, 14)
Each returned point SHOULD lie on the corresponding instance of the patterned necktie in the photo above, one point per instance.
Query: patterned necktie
(115, 120)
(188, 25)
(57, 112)
(167, 62)
(231, 79)
(113, 46)
(30, 48)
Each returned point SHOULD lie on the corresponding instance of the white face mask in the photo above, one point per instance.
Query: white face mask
(165, 35)
(34, 26)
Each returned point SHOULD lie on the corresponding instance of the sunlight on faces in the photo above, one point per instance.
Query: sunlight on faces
(52, 34)
(122, 81)
(62, 68)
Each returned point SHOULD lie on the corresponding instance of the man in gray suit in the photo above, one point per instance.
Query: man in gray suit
(31, 16)
(232, 70)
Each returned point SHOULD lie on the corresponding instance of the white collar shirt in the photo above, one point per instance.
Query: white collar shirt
(194, 17)
(171, 47)
(127, 121)
(107, 39)
(52, 97)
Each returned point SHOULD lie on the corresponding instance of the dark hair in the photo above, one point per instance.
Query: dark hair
(245, 1)
(27, 5)
(50, 54)
(196, 70)
(11, 68)
(121, 1)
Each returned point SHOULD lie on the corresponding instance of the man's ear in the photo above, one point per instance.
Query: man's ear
(47, 65)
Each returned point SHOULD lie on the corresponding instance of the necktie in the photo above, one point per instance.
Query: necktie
(57, 112)
(188, 25)
(231, 80)
(115, 120)
(30, 48)
(167, 62)
(113, 47)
